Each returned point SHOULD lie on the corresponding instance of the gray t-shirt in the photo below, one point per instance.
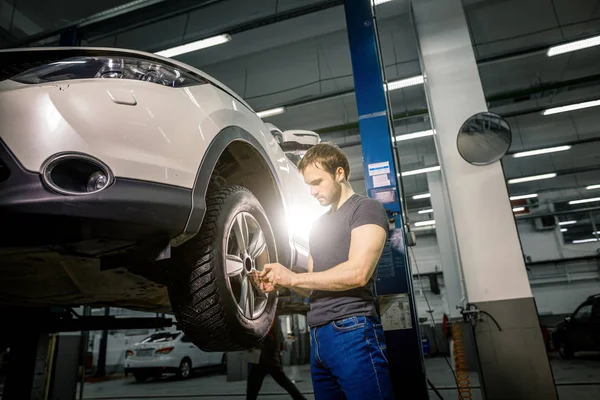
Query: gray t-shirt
(329, 246)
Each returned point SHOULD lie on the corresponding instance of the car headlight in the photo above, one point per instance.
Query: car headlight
(108, 68)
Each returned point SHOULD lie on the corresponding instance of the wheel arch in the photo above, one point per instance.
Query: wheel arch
(238, 157)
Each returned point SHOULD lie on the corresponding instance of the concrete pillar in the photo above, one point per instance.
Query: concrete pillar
(513, 360)
(446, 240)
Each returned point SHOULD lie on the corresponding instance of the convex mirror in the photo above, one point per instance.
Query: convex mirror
(484, 138)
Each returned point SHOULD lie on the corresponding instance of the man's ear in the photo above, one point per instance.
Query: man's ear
(340, 174)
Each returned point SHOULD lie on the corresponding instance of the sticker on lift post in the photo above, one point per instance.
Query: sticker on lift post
(395, 312)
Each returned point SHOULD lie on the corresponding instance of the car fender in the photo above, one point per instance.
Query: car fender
(215, 149)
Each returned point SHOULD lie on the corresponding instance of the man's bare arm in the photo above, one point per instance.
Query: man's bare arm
(305, 292)
(366, 246)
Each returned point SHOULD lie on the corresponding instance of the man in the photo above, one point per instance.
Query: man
(348, 356)
(270, 362)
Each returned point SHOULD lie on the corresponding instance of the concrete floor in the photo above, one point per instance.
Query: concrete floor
(574, 380)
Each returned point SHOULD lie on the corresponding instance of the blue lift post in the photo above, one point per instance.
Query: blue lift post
(394, 277)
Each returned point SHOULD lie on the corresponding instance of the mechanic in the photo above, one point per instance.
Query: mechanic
(270, 362)
(348, 357)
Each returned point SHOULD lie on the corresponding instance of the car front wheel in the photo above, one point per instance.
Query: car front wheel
(211, 291)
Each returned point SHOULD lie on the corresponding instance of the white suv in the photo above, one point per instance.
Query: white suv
(133, 180)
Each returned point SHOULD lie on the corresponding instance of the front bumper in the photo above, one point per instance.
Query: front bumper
(129, 211)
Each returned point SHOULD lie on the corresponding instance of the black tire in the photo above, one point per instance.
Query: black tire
(185, 369)
(200, 290)
(141, 377)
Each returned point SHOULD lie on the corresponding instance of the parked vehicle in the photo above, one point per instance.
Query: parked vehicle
(136, 181)
(579, 331)
(169, 352)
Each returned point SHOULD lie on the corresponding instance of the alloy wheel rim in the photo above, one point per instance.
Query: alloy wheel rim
(246, 252)
(185, 369)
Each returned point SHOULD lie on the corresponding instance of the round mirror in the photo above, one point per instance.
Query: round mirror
(484, 138)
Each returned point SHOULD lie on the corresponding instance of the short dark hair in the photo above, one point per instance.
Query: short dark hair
(328, 156)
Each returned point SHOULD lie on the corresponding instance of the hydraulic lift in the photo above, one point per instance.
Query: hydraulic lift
(381, 169)
(45, 366)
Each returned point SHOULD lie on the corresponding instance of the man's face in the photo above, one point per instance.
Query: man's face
(324, 187)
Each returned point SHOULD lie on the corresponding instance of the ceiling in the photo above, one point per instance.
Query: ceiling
(296, 53)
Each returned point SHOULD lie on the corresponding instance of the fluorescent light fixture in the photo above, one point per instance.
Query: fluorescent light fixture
(271, 112)
(402, 83)
(531, 178)
(584, 241)
(194, 46)
(593, 199)
(593, 187)
(421, 196)
(413, 135)
(567, 223)
(378, 2)
(524, 196)
(563, 230)
(572, 107)
(425, 223)
(518, 209)
(428, 211)
(541, 151)
(573, 46)
(421, 171)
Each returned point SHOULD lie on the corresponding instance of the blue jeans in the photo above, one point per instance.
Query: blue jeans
(348, 360)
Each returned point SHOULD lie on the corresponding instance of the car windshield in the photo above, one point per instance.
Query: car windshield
(161, 337)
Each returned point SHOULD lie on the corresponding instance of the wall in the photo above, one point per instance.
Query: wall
(548, 244)
(557, 287)
(427, 254)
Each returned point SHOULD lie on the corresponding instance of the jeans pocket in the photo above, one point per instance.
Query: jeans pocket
(348, 324)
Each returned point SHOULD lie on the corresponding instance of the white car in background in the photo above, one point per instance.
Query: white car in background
(133, 180)
(169, 353)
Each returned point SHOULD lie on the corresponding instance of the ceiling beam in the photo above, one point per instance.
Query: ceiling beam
(145, 12)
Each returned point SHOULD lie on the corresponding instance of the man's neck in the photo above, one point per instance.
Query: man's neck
(347, 192)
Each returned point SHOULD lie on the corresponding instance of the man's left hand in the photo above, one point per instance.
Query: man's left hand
(277, 275)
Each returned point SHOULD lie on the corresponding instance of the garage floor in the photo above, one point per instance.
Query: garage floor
(573, 379)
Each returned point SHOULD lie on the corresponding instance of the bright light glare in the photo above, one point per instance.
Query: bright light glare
(425, 223)
(524, 196)
(378, 2)
(573, 46)
(567, 223)
(402, 83)
(421, 171)
(593, 199)
(194, 46)
(518, 209)
(271, 112)
(421, 196)
(541, 151)
(428, 211)
(300, 220)
(564, 230)
(591, 187)
(572, 107)
(413, 135)
(531, 178)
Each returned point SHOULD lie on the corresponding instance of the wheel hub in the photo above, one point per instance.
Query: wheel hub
(249, 264)
(246, 253)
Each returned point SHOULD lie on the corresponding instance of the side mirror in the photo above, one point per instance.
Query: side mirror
(295, 140)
